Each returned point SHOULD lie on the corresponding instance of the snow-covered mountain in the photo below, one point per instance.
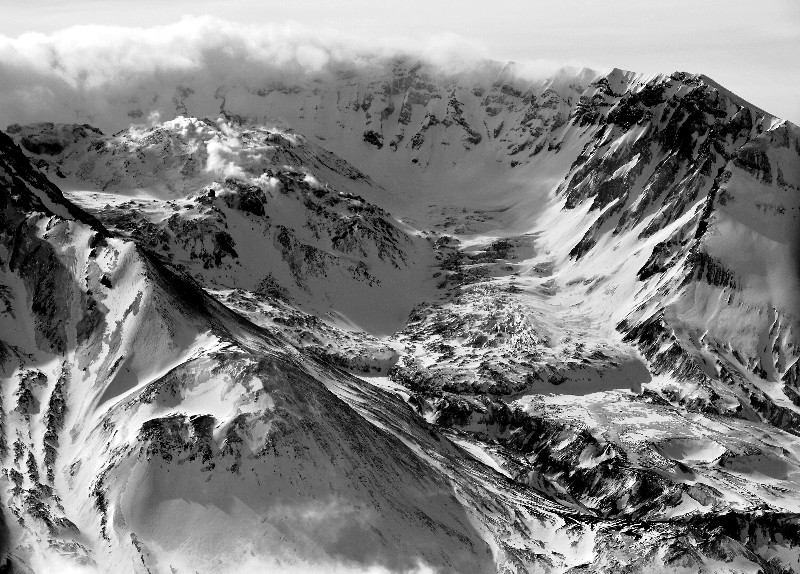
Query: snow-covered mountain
(400, 319)
(255, 209)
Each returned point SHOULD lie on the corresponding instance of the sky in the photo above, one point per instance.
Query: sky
(752, 48)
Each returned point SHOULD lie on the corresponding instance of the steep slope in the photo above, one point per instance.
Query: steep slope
(121, 379)
(734, 299)
(256, 209)
(680, 172)
(670, 177)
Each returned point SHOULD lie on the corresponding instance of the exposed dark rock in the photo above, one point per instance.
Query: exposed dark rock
(373, 138)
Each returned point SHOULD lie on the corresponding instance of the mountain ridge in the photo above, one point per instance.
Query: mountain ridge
(588, 369)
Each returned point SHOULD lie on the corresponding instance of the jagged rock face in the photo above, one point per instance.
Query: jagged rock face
(678, 161)
(391, 106)
(573, 304)
(242, 208)
(742, 226)
(405, 122)
(173, 158)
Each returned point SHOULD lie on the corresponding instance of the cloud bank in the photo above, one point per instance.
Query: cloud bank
(112, 76)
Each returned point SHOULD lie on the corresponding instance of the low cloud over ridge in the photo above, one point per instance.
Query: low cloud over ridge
(92, 73)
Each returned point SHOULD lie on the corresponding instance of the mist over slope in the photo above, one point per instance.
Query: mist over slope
(304, 305)
(92, 73)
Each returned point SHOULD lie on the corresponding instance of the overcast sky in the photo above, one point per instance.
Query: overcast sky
(751, 47)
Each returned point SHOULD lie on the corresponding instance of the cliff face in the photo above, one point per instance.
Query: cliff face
(573, 303)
